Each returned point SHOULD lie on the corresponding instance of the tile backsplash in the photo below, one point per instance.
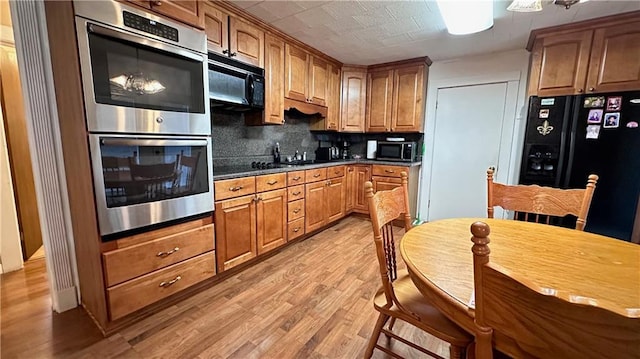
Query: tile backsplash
(234, 143)
(237, 144)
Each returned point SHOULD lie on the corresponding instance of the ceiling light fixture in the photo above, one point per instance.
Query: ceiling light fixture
(466, 16)
(536, 5)
(525, 5)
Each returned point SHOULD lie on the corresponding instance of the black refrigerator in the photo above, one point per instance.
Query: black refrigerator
(569, 137)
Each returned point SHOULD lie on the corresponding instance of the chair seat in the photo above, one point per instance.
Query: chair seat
(430, 318)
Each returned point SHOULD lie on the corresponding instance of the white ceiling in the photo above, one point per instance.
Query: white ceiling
(367, 32)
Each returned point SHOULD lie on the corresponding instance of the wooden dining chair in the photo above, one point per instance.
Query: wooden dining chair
(188, 168)
(541, 204)
(539, 322)
(398, 298)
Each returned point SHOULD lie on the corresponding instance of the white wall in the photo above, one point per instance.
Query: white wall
(488, 68)
(10, 250)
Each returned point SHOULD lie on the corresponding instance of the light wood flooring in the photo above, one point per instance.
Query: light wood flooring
(311, 300)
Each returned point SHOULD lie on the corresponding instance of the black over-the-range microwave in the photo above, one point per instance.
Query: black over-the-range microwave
(396, 151)
(235, 83)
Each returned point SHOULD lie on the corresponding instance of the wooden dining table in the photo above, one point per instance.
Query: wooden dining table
(593, 269)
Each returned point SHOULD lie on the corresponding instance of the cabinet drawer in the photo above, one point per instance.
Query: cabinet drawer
(295, 177)
(389, 171)
(130, 262)
(295, 228)
(335, 172)
(295, 209)
(315, 175)
(130, 296)
(235, 187)
(295, 192)
(271, 182)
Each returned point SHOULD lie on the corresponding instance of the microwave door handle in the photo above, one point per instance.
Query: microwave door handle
(150, 142)
(105, 31)
(250, 88)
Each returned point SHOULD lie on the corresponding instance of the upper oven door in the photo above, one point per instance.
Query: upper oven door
(136, 84)
(145, 180)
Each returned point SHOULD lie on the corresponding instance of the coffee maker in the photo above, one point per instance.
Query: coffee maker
(345, 149)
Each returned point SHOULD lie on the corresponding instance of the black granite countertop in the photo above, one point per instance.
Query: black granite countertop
(228, 172)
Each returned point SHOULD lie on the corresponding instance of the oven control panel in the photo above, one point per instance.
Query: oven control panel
(149, 26)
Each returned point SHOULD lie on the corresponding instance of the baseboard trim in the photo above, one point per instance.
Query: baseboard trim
(65, 299)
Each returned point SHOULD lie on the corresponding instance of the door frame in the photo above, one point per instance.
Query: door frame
(509, 163)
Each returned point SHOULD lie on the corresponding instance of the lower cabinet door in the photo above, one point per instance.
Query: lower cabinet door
(272, 220)
(127, 297)
(315, 214)
(235, 231)
(335, 199)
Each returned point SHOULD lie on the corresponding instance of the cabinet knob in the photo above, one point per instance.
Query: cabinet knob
(225, 51)
(592, 89)
(157, 3)
(232, 54)
(580, 90)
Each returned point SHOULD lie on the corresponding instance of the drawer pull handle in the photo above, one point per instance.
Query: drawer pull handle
(235, 189)
(296, 210)
(389, 171)
(297, 178)
(171, 282)
(316, 175)
(296, 229)
(296, 193)
(168, 253)
(271, 183)
(336, 172)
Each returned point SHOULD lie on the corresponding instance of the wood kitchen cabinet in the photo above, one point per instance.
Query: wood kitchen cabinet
(615, 59)
(142, 269)
(190, 12)
(350, 187)
(387, 177)
(273, 113)
(362, 175)
(253, 224)
(352, 105)
(590, 57)
(236, 221)
(231, 36)
(395, 97)
(325, 193)
(271, 210)
(332, 121)
(306, 76)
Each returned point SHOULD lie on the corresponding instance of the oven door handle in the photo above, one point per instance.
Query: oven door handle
(101, 30)
(150, 142)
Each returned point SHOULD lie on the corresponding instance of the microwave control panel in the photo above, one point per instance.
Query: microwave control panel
(149, 26)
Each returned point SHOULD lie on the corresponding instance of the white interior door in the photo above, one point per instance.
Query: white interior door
(468, 137)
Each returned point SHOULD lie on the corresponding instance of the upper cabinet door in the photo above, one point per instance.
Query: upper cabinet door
(379, 98)
(318, 84)
(216, 26)
(274, 80)
(559, 64)
(296, 79)
(333, 102)
(615, 59)
(246, 42)
(408, 99)
(352, 107)
(187, 11)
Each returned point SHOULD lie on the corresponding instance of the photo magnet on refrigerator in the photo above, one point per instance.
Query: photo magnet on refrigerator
(611, 120)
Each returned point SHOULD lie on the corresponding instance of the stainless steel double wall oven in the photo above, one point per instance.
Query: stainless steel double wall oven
(146, 101)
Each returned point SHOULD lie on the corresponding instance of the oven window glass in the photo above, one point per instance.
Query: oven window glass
(132, 75)
(389, 151)
(141, 174)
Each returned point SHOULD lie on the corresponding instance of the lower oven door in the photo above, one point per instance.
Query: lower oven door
(145, 180)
